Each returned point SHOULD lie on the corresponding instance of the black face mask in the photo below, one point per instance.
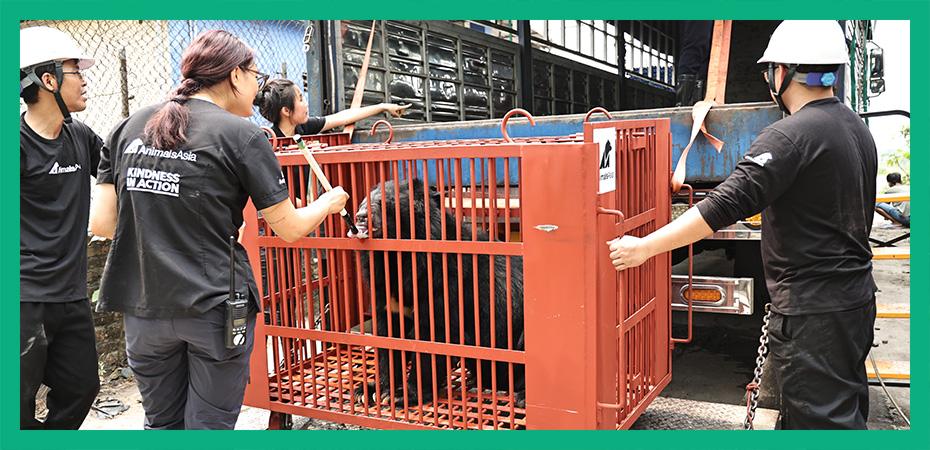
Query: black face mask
(784, 85)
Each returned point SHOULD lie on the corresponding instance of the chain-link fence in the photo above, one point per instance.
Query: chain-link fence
(138, 61)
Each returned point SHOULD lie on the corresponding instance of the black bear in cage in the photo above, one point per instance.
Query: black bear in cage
(432, 324)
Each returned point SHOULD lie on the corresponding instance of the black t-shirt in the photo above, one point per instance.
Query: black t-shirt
(813, 173)
(313, 125)
(177, 209)
(54, 205)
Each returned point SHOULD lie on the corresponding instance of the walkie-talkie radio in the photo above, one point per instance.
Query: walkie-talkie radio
(237, 305)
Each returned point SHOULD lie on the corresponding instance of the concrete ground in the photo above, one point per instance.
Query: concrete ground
(892, 336)
(708, 381)
(716, 366)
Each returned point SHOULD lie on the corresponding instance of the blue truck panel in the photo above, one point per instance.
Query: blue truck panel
(737, 125)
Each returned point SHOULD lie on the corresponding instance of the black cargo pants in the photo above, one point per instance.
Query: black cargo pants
(819, 363)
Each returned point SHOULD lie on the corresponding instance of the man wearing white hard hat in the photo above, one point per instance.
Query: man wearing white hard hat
(812, 175)
(58, 155)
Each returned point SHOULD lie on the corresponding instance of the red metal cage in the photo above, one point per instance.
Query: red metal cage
(547, 336)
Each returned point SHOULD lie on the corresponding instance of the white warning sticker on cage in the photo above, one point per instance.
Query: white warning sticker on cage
(606, 139)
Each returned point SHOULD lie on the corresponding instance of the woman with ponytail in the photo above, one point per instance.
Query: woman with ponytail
(280, 102)
(172, 182)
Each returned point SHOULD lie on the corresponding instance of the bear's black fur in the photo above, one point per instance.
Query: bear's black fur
(461, 323)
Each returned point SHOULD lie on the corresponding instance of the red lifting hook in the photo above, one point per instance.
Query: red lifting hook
(507, 117)
(390, 130)
(596, 109)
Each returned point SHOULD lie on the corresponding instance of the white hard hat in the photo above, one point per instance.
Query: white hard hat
(39, 45)
(814, 42)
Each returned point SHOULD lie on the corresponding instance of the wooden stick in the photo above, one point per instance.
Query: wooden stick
(318, 171)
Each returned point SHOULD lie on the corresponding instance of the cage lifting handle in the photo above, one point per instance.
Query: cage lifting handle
(690, 298)
(507, 117)
(390, 130)
(596, 109)
(620, 218)
(611, 212)
(271, 137)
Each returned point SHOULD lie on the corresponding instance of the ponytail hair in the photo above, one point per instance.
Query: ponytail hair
(205, 63)
(274, 95)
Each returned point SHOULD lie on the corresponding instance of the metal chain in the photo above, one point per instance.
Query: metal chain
(752, 389)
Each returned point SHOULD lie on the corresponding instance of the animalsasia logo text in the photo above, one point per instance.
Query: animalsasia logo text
(58, 169)
(137, 147)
